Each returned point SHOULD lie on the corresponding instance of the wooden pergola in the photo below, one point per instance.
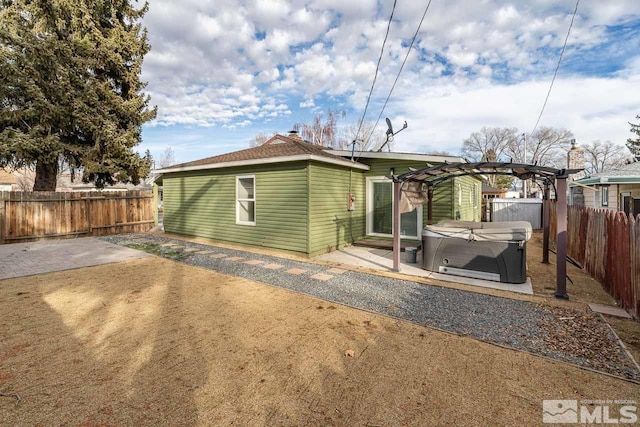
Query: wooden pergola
(435, 175)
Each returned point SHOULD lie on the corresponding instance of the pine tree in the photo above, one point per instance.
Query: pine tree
(71, 89)
(634, 144)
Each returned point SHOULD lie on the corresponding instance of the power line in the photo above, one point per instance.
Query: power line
(557, 68)
(399, 71)
(375, 76)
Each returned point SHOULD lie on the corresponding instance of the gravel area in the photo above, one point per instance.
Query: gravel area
(578, 337)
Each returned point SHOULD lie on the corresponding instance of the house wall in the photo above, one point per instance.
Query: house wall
(613, 198)
(464, 208)
(634, 190)
(593, 199)
(300, 206)
(442, 194)
(589, 197)
(331, 224)
(203, 204)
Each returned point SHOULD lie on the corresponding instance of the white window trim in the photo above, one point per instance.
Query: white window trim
(475, 195)
(255, 196)
(370, 205)
(604, 197)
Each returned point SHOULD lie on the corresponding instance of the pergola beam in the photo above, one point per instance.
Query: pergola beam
(561, 237)
(436, 174)
(430, 204)
(397, 193)
(546, 217)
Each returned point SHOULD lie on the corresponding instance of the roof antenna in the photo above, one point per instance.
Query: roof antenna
(390, 134)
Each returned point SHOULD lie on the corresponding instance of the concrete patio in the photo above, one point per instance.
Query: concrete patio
(28, 259)
(382, 259)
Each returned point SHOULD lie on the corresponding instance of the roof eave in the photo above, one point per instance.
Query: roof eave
(609, 180)
(266, 161)
(398, 156)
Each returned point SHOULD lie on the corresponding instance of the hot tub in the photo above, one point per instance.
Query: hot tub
(483, 250)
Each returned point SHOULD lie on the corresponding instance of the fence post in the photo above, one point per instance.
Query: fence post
(545, 224)
(2, 217)
(156, 201)
(87, 202)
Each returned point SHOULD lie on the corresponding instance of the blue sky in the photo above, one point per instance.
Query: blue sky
(222, 71)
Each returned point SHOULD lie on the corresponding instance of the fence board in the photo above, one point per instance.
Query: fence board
(35, 215)
(607, 245)
(529, 210)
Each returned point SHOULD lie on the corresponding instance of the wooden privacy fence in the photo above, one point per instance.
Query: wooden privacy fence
(607, 245)
(37, 215)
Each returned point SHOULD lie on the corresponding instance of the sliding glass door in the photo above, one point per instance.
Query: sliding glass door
(380, 211)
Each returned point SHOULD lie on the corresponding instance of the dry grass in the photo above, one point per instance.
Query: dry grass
(584, 288)
(157, 342)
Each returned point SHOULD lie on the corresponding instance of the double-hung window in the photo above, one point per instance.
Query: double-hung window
(246, 200)
(605, 196)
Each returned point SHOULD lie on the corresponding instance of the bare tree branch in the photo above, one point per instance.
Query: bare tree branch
(259, 139)
(322, 132)
(168, 158)
(601, 156)
(490, 145)
(374, 142)
(546, 147)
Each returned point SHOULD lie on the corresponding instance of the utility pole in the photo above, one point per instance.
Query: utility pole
(524, 182)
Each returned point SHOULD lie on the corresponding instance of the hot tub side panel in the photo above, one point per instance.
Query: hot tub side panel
(504, 259)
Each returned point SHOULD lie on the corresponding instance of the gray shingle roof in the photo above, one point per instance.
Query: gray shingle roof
(632, 169)
(277, 146)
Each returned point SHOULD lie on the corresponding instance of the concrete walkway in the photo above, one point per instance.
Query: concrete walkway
(27, 259)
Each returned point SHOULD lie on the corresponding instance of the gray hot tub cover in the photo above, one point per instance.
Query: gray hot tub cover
(516, 231)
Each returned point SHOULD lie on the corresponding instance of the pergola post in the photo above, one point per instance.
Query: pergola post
(430, 204)
(561, 238)
(545, 223)
(396, 225)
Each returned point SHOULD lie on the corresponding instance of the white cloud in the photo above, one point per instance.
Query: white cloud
(307, 103)
(461, 56)
(591, 108)
(239, 63)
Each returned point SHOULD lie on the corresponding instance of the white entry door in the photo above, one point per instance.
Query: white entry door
(380, 211)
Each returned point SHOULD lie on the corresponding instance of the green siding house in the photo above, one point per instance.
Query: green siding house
(291, 195)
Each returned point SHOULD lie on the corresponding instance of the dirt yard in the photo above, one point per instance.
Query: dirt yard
(158, 342)
(582, 288)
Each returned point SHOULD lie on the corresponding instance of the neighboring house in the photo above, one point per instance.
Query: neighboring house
(489, 192)
(616, 189)
(292, 195)
(7, 180)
